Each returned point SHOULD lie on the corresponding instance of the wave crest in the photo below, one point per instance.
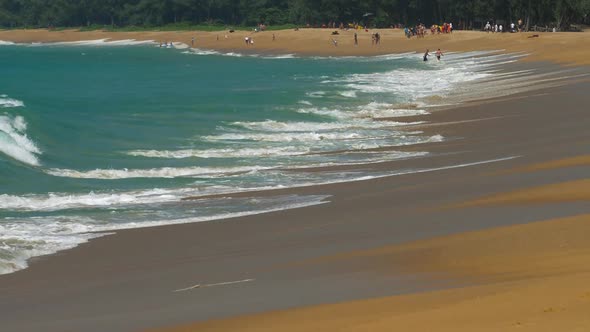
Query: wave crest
(14, 141)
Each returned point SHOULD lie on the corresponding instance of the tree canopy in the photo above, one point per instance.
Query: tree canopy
(466, 14)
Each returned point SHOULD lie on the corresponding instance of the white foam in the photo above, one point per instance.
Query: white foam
(6, 102)
(166, 172)
(14, 141)
(277, 126)
(316, 94)
(99, 42)
(23, 239)
(199, 51)
(375, 112)
(348, 94)
(285, 137)
(5, 43)
(62, 201)
(180, 46)
(196, 51)
(222, 153)
(324, 111)
(373, 58)
(279, 56)
(424, 81)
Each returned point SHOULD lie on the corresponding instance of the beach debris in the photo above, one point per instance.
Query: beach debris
(227, 283)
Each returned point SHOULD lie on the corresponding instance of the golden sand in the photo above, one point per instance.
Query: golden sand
(531, 277)
(556, 164)
(572, 191)
(535, 278)
(564, 48)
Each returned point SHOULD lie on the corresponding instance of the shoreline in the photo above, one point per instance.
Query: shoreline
(548, 46)
(124, 282)
(95, 286)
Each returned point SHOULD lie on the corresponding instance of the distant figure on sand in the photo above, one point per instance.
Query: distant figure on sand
(438, 54)
(426, 55)
(335, 42)
(273, 37)
(356, 39)
(193, 42)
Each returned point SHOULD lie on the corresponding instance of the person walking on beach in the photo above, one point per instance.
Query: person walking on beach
(438, 54)
(426, 55)
(193, 42)
(356, 39)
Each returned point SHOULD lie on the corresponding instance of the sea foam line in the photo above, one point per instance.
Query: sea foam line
(97, 42)
(20, 240)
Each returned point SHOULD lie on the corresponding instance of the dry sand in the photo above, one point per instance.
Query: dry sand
(564, 48)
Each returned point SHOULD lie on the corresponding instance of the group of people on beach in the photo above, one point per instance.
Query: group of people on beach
(420, 30)
(493, 28)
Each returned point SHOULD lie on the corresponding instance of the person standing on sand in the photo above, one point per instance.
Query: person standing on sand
(193, 42)
(356, 39)
(273, 37)
(426, 55)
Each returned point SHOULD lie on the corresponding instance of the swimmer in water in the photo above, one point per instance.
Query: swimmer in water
(426, 55)
(438, 54)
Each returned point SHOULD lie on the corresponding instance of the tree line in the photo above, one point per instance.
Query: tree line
(465, 14)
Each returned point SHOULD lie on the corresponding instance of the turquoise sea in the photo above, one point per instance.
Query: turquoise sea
(98, 136)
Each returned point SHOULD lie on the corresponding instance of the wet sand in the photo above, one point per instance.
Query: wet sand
(530, 277)
(399, 241)
(563, 48)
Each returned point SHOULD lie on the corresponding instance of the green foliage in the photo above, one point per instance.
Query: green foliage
(215, 15)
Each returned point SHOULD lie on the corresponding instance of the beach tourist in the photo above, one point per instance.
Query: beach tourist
(356, 39)
(335, 42)
(500, 28)
(193, 42)
(247, 40)
(273, 37)
(438, 54)
(426, 55)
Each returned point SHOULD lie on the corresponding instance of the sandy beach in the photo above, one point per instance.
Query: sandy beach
(489, 235)
(563, 48)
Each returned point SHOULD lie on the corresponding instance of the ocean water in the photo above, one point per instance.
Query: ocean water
(98, 136)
